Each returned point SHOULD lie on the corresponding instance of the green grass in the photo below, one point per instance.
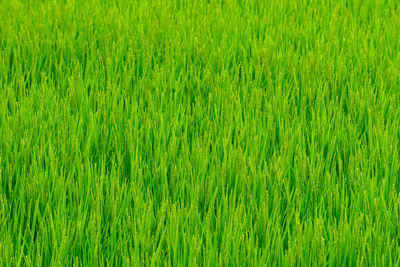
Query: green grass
(184, 133)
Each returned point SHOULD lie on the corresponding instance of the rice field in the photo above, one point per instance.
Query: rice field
(199, 133)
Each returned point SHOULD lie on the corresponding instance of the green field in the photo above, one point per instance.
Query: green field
(200, 133)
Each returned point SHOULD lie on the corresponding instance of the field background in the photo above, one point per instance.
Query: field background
(184, 133)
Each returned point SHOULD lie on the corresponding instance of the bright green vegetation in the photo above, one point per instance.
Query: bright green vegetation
(184, 133)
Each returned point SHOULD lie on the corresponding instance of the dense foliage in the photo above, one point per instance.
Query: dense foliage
(183, 133)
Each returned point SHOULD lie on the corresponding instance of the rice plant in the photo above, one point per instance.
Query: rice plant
(199, 133)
